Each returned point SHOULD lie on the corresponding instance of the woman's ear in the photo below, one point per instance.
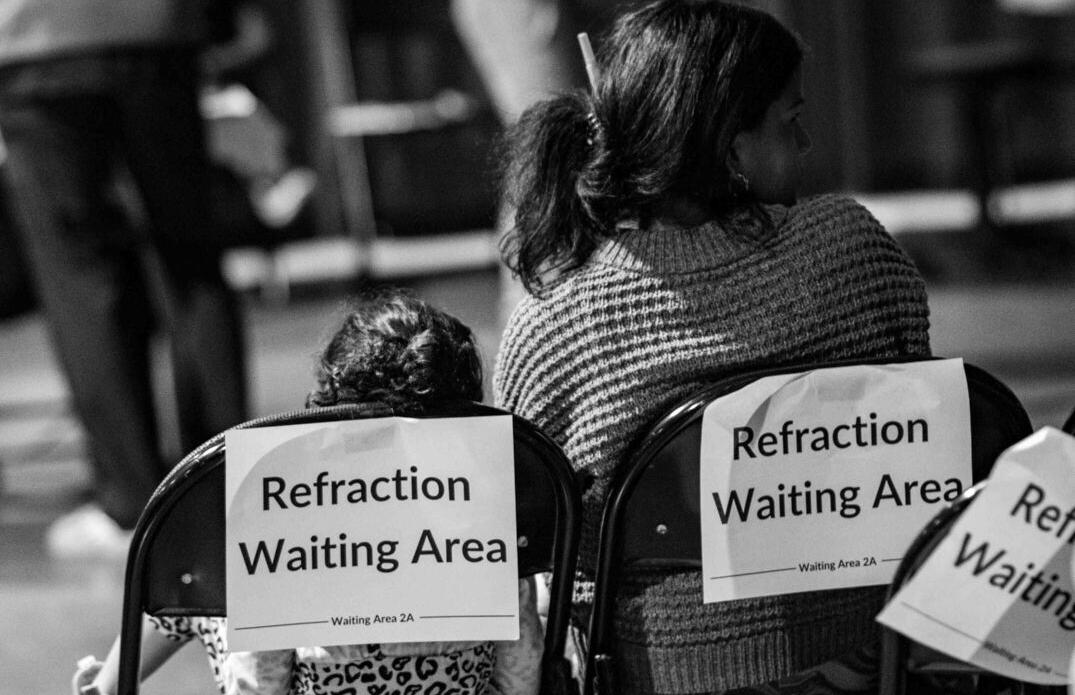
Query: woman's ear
(738, 156)
(737, 163)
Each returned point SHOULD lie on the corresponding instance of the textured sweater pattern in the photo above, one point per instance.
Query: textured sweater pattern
(656, 313)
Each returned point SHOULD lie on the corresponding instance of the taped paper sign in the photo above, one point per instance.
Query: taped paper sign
(380, 530)
(821, 479)
(997, 591)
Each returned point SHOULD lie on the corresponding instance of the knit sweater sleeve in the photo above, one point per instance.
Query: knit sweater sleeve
(521, 344)
(550, 364)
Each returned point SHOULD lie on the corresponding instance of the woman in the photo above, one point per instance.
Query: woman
(660, 238)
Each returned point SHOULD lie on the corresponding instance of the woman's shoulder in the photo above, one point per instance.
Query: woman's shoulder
(832, 211)
(840, 230)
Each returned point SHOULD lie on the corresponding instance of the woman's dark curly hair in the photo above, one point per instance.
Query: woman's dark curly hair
(398, 350)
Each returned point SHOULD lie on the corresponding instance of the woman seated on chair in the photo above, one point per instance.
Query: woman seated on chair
(396, 350)
(660, 238)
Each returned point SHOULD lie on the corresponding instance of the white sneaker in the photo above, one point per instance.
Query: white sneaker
(87, 532)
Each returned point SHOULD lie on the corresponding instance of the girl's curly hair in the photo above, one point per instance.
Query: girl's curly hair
(395, 349)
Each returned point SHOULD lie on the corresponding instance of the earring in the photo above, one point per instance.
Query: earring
(738, 184)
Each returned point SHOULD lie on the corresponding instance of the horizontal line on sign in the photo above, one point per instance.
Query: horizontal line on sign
(257, 627)
(744, 574)
(956, 630)
(891, 559)
(927, 616)
(436, 617)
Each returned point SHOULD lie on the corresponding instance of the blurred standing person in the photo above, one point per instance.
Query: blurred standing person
(90, 89)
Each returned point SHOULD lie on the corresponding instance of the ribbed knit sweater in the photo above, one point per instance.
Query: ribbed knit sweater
(653, 315)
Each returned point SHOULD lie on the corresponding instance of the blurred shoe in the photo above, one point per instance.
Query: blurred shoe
(87, 532)
(278, 204)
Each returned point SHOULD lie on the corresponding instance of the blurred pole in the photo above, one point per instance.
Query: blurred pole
(345, 204)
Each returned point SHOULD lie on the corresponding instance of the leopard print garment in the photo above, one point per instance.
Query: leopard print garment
(461, 668)
(341, 671)
(417, 668)
(209, 631)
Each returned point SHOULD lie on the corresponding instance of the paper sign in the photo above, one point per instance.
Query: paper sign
(821, 479)
(379, 530)
(997, 591)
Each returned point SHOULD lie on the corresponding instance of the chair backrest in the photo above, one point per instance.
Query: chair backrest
(176, 565)
(909, 667)
(652, 510)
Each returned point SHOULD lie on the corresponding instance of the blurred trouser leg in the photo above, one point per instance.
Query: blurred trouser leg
(85, 264)
(164, 142)
(207, 354)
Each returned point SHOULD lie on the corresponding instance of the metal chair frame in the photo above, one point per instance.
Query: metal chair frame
(635, 529)
(176, 563)
(901, 657)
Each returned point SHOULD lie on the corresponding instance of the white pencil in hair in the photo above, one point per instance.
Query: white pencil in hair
(592, 71)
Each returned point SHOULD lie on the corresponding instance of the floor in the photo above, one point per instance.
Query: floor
(57, 611)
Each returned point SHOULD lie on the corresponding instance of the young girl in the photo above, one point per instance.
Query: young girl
(659, 235)
(397, 350)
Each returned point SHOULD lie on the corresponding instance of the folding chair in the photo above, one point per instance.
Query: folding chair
(909, 667)
(176, 563)
(651, 514)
